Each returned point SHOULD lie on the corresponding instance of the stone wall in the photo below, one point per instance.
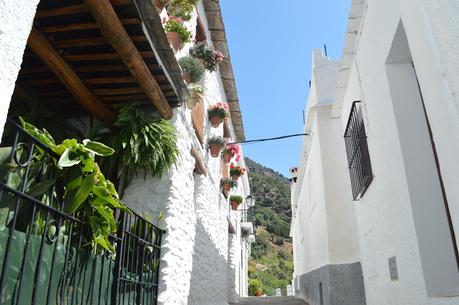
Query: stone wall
(15, 24)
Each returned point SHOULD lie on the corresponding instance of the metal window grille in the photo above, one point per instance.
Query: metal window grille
(46, 256)
(357, 152)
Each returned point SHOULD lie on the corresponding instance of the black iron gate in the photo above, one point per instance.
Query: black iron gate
(46, 256)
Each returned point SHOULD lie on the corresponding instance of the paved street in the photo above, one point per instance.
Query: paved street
(270, 301)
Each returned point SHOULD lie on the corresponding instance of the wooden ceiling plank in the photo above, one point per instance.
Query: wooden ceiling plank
(101, 56)
(72, 9)
(83, 26)
(117, 91)
(99, 68)
(43, 49)
(113, 31)
(109, 80)
(89, 41)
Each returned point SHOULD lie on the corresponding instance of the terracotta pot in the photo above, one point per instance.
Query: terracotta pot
(234, 205)
(186, 77)
(174, 40)
(226, 187)
(215, 150)
(258, 293)
(160, 4)
(227, 157)
(194, 100)
(235, 177)
(215, 121)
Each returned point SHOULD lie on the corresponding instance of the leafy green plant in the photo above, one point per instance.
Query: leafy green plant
(175, 24)
(255, 285)
(236, 198)
(85, 192)
(228, 181)
(209, 56)
(196, 88)
(216, 140)
(182, 8)
(193, 66)
(218, 110)
(142, 142)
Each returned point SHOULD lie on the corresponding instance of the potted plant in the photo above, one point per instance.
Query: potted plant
(215, 144)
(176, 32)
(182, 8)
(230, 151)
(217, 113)
(160, 4)
(236, 171)
(209, 57)
(227, 184)
(235, 201)
(192, 69)
(196, 96)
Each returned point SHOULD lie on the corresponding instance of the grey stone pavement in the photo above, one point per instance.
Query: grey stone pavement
(270, 301)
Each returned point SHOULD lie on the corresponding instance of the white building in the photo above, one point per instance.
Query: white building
(204, 252)
(324, 231)
(397, 104)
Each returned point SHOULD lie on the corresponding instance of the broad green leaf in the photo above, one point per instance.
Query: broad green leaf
(65, 161)
(40, 188)
(98, 148)
(5, 154)
(88, 165)
(43, 136)
(104, 194)
(73, 203)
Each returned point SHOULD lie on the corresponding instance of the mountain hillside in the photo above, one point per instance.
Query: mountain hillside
(271, 263)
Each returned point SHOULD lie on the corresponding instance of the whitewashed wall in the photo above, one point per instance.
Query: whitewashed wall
(15, 24)
(385, 215)
(324, 230)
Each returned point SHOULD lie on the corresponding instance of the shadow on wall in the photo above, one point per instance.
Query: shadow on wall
(209, 273)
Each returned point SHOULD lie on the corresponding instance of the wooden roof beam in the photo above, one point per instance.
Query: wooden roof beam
(113, 31)
(43, 49)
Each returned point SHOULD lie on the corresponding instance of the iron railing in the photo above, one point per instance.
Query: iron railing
(46, 256)
(357, 152)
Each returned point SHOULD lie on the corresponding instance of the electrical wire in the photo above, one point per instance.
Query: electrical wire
(271, 139)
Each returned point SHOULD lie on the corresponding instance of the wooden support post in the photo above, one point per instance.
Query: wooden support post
(43, 49)
(113, 31)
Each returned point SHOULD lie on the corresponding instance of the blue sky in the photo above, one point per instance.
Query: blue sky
(270, 45)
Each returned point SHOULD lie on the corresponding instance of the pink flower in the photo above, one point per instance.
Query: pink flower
(164, 19)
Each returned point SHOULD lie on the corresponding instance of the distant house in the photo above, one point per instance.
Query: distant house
(387, 174)
(80, 60)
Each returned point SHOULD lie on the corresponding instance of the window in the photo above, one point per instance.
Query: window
(357, 152)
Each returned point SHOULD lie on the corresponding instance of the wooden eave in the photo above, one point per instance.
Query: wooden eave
(218, 36)
(69, 52)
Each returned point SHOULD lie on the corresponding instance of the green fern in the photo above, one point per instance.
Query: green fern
(143, 143)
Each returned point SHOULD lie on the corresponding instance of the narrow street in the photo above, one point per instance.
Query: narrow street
(270, 301)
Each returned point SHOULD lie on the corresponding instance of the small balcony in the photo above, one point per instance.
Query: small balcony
(48, 256)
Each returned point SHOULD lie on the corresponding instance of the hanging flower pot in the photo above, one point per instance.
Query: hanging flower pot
(176, 32)
(230, 151)
(217, 113)
(227, 157)
(196, 96)
(226, 185)
(160, 4)
(235, 201)
(236, 171)
(215, 121)
(215, 144)
(174, 40)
